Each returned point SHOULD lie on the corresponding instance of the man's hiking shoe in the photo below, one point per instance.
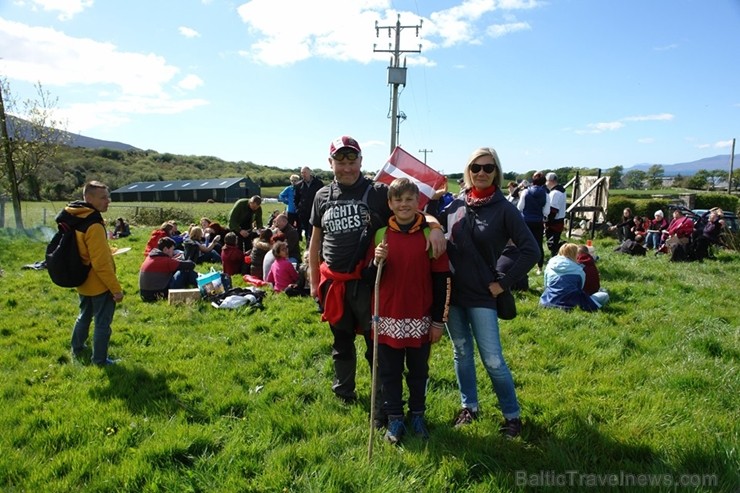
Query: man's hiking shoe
(511, 428)
(396, 429)
(109, 362)
(79, 352)
(419, 426)
(347, 399)
(380, 421)
(465, 417)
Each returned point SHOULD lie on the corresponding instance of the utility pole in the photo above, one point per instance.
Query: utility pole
(396, 73)
(732, 162)
(425, 151)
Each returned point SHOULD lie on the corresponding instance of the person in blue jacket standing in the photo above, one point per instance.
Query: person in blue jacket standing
(287, 196)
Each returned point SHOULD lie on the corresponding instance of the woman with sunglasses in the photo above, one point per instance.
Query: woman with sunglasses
(480, 222)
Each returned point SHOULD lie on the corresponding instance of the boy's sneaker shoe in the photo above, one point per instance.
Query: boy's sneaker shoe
(419, 426)
(380, 421)
(465, 417)
(511, 428)
(396, 429)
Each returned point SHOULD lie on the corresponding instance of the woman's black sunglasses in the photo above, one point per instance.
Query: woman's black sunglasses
(488, 168)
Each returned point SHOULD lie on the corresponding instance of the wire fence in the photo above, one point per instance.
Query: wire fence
(38, 214)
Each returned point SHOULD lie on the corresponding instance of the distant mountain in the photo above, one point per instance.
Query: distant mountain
(689, 169)
(74, 140)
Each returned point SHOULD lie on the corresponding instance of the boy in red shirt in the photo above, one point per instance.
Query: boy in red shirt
(414, 299)
(161, 271)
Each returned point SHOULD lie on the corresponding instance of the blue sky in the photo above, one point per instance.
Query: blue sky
(588, 83)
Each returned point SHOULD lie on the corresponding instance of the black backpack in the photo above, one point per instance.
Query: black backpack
(62, 255)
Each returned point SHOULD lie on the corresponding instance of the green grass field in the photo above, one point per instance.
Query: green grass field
(642, 396)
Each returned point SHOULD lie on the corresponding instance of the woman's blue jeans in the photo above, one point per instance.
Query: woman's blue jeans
(99, 309)
(481, 324)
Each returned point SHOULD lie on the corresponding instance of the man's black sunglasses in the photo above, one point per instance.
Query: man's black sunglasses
(340, 156)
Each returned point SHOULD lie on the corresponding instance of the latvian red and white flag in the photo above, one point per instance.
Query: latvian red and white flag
(401, 164)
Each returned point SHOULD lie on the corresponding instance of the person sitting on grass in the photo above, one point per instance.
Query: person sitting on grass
(197, 251)
(282, 273)
(121, 229)
(232, 257)
(564, 280)
(161, 272)
(655, 230)
(302, 287)
(592, 283)
(164, 231)
(260, 246)
(414, 298)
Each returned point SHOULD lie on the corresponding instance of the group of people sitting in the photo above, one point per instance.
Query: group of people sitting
(171, 257)
(683, 238)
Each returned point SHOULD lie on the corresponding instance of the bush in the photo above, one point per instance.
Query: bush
(616, 206)
(155, 216)
(724, 201)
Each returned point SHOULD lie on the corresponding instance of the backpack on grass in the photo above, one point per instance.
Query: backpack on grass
(63, 259)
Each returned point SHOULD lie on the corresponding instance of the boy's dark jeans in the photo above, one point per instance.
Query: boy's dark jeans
(390, 369)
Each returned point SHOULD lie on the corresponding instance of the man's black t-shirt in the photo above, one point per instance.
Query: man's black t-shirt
(349, 217)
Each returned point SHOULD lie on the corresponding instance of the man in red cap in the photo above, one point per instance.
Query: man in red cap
(345, 215)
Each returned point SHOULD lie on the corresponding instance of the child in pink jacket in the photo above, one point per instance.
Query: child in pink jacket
(282, 273)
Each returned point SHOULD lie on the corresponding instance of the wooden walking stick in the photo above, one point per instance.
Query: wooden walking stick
(376, 317)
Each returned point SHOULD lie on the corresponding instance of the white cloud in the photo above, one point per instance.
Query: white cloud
(646, 118)
(646, 140)
(723, 144)
(312, 29)
(190, 82)
(124, 82)
(498, 30)
(597, 128)
(39, 53)
(669, 47)
(66, 8)
(188, 32)
(100, 114)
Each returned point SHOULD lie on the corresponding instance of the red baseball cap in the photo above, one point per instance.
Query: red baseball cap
(344, 142)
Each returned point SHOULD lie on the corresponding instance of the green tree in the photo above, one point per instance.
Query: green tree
(615, 175)
(699, 181)
(655, 176)
(29, 143)
(714, 176)
(635, 179)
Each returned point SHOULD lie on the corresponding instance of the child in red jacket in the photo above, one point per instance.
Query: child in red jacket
(232, 257)
(593, 280)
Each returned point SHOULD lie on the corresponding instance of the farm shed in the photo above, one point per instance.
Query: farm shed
(200, 190)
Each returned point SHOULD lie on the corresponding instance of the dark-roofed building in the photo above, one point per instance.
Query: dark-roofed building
(200, 190)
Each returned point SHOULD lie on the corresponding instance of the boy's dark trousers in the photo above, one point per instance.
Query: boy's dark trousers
(390, 369)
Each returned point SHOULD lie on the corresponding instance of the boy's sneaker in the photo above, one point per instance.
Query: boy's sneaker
(511, 428)
(396, 429)
(419, 426)
(379, 421)
(465, 417)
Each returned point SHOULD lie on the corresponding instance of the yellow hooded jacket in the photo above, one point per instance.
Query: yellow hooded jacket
(94, 251)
